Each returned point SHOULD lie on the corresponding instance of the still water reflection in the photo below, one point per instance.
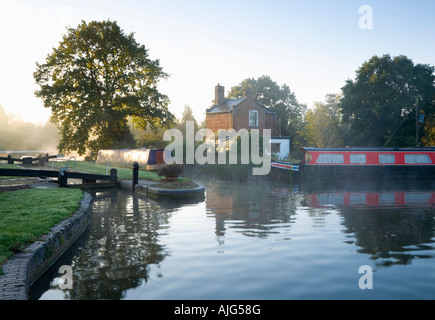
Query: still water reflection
(254, 241)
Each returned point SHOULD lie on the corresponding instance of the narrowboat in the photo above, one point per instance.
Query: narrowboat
(148, 159)
(373, 163)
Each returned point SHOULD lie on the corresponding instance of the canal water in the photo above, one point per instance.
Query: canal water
(254, 241)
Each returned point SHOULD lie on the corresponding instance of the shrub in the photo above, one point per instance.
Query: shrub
(171, 170)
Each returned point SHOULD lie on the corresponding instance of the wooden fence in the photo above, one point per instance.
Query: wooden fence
(28, 161)
(62, 175)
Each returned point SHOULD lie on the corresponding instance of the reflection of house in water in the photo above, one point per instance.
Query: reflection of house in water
(221, 206)
(248, 207)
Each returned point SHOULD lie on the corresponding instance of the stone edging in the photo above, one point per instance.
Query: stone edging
(172, 192)
(24, 268)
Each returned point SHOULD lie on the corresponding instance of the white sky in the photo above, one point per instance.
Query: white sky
(313, 46)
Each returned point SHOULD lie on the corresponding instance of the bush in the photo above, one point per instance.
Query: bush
(171, 170)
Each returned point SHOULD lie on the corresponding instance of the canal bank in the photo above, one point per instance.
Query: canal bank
(23, 269)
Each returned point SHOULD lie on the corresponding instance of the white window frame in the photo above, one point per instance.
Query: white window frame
(251, 115)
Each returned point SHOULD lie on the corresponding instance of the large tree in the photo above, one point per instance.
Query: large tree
(379, 106)
(322, 124)
(94, 81)
(277, 98)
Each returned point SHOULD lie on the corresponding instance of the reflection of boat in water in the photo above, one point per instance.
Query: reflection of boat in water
(279, 192)
(372, 199)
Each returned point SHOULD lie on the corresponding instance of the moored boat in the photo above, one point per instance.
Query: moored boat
(372, 163)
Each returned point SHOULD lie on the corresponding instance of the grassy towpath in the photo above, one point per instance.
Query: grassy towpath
(28, 214)
(127, 174)
(91, 167)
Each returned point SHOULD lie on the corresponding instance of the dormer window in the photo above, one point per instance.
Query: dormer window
(253, 118)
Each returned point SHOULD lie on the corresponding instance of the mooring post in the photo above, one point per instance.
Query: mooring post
(113, 175)
(135, 174)
(27, 161)
(63, 180)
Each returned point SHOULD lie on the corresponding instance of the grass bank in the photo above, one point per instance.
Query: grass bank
(124, 173)
(91, 167)
(28, 214)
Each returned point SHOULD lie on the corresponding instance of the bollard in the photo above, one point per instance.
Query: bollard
(113, 175)
(27, 161)
(135, 174)
(43, 159)
(63, 180)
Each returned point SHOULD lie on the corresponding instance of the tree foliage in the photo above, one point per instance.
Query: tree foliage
(322, 124)
(186, 115)
(379, 106)
(94, 81)
(277, 98)
(150, 138)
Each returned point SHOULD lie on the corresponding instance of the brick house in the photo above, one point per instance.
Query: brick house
(244, 113)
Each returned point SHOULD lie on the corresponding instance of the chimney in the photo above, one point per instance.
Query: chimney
(219, 94)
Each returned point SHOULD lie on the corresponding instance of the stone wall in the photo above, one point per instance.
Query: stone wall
(24, 268)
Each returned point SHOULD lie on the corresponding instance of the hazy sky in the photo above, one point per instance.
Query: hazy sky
(313, 46)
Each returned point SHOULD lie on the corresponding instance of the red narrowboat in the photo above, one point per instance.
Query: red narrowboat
(366, 162)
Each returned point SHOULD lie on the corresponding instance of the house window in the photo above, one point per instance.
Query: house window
(330, 158)
(357, 158)
(276, 147)
(253, 118)
(386, 158)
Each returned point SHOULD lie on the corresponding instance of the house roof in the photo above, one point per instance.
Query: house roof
(228, 106)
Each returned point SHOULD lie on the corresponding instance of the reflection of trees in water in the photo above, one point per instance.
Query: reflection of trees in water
(391, 236)
(256, 210)
(123, 241)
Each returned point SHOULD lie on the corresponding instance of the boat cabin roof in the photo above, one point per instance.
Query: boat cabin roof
(358, 149)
